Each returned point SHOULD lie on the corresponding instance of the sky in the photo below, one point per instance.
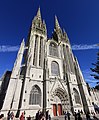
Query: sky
(79, 18)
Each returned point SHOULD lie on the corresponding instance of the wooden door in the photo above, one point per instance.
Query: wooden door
(59, 109)
(54, 109)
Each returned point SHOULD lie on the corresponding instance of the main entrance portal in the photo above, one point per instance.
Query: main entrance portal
(60, 102)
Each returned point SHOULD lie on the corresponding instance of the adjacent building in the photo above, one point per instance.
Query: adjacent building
(4, 82)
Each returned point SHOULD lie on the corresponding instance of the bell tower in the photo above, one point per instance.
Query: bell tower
(32, 82)
(39, 34)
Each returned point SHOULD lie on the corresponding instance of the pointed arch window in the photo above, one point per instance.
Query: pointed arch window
(55, 68)
(53, 49)
(41, 52)
(35, 51)
(76, 96)
(35, 96)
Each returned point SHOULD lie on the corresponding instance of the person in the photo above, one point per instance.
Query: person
(65, 115)
(12, 115)
(47, 115)
(79, 116)
(38, 115)
(1, 116)
(68, 115)
(22, 116)
(81, 112)
(75, 115)
(42, 116)
(87, 116)
(8, 115)
(29, 118)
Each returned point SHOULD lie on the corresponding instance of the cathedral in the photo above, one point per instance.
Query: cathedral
(46, 75)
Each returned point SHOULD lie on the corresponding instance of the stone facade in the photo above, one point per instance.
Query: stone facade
(46, 75)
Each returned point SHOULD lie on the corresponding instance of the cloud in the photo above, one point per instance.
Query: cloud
(85, 47)
(8, 48)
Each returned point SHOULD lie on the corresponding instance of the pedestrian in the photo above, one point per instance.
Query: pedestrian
(8, 115)
(42, 116)
(81, 112)
(65, 115)
(75, 115)
(29, 118)
(12, 115)
(24, 112)
(79, 116)
(1, 116)
(68, 115)
(47, 115)
(38, 115)
(88, 116)
(22, 116)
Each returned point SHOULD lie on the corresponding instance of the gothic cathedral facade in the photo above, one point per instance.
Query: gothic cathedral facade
(46, 75)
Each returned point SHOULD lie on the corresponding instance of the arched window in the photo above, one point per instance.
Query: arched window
(53, 49)
(54, 68)
(76, 96)
(41, 52)
(35, 96)
(35, 51)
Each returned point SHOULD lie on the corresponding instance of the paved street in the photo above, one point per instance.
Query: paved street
(72, 118)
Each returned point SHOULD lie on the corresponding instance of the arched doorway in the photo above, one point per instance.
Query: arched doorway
(60, 102)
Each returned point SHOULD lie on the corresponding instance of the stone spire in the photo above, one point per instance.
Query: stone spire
(57, 26)
(18, 61)
(57, 31)
(38, 14)
(38, 24)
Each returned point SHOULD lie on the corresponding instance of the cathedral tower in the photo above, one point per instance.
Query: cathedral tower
(33, 70)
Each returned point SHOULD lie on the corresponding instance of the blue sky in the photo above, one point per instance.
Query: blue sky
(80, 19)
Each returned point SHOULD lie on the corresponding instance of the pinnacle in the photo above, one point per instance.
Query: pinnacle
(64, 32)
(23, 41)
(39, 13)
(56, 22)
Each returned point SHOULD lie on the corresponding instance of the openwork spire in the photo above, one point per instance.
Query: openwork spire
(56, 23)
(38, 24)
(38, 14)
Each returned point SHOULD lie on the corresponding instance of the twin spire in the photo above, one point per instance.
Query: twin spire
(56, 20)
(38, 22)
(57, 26)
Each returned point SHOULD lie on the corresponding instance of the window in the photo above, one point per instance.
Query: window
(35, 51)
(54, 68)
(41, 52)
(53, 49)
(76, 96)
(35, 96)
